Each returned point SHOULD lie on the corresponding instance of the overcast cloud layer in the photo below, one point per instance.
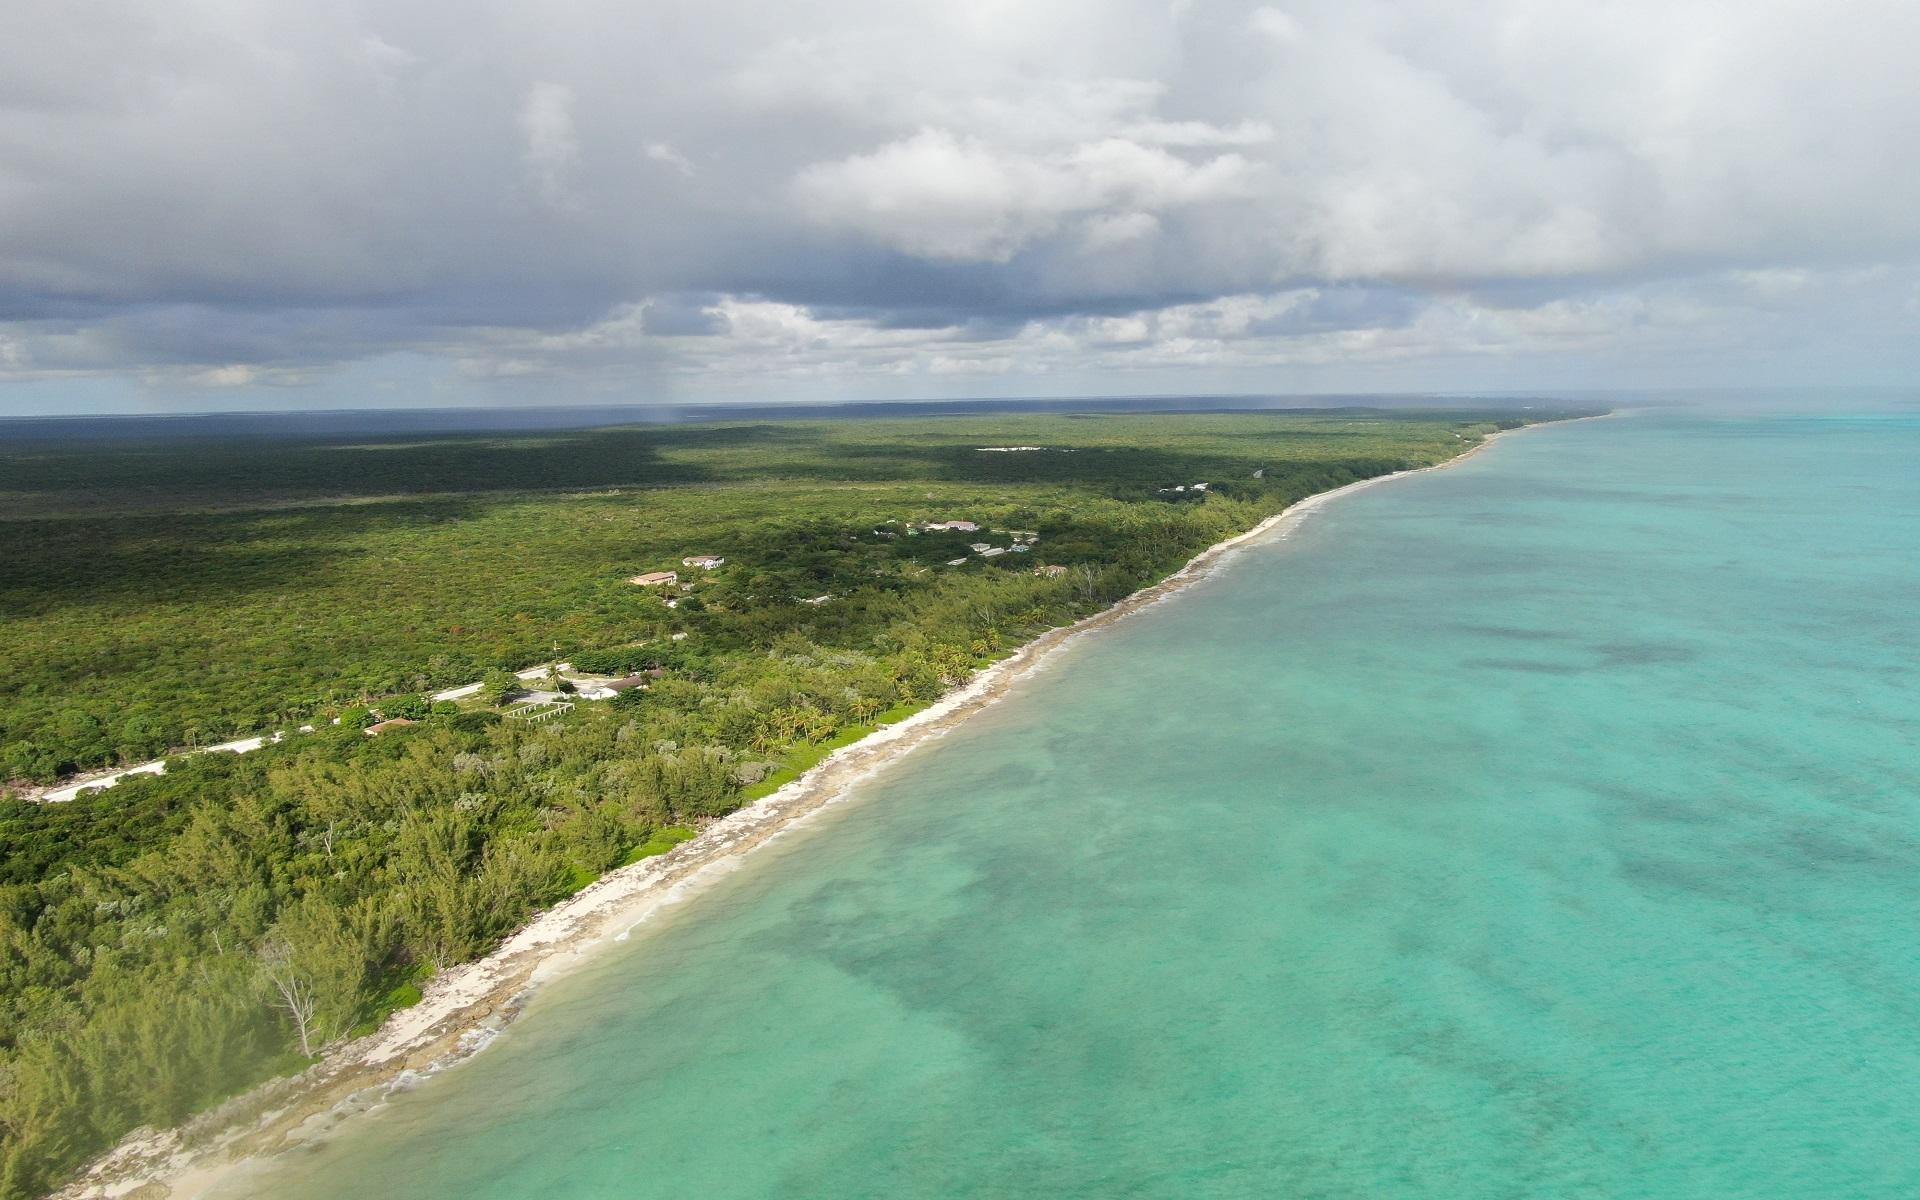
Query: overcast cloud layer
(420, 201)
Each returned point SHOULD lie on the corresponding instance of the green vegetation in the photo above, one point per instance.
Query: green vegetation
(164, 626)
(181, 936)
(662, 841)
(803, 757)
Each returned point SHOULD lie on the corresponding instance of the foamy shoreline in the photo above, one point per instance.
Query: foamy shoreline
(464, 1006)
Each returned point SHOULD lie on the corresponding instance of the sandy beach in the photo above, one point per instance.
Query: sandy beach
(465, 1006)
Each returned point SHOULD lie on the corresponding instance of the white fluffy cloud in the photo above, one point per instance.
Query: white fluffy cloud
(659, 196)
(937, 196)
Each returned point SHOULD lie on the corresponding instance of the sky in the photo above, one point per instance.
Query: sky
(217, 204)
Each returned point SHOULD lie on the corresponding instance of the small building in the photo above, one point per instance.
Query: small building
(655, 578)
(993, 552)
(980, 547)
(954, 526)
(1050, 570)
(817, 600)
(706, 562)
(956, 562)
(1019, 548)
(626, 683)
(381, 727)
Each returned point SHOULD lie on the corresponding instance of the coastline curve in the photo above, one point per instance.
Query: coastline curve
(465, 1007)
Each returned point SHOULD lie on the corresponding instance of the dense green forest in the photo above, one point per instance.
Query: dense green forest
(182, 936)
(150, 628)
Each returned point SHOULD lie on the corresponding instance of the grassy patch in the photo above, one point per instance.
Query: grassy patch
(404, 992)
(577, 877)
(805, 757)
(662, 841)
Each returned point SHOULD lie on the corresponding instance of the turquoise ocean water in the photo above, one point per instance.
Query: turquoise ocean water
(1544, 827)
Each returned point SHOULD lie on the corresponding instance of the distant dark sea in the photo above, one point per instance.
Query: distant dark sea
(327, 423)
(430, 422)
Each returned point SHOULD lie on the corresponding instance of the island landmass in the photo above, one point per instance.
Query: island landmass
(490, 700)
